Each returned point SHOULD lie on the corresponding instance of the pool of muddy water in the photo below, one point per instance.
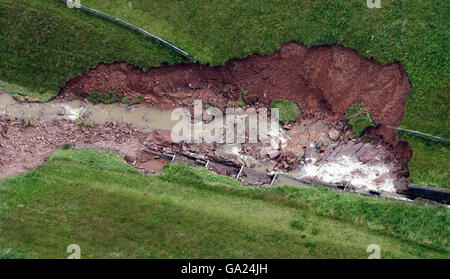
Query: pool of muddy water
(144, 118)
(310, 151)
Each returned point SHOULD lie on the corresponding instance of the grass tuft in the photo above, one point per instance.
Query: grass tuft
(108, 98)
(125, 100)
(359, 118)
(287, 109)
(298, 225)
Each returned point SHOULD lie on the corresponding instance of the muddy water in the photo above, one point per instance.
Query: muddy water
(143, 118)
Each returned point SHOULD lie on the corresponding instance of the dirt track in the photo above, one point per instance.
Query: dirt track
(323, 80)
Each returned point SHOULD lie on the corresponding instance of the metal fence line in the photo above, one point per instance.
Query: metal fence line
(422, 135)
(129, 26)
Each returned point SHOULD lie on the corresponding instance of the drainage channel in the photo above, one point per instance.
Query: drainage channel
(305, 153)
(276, 179)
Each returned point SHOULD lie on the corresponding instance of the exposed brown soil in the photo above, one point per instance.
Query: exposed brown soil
(323, 81)
(24, 147)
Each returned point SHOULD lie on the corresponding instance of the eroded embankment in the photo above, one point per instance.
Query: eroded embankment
(323, 81)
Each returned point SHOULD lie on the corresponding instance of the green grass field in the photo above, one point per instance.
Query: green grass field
(43, 44)
(97, 201)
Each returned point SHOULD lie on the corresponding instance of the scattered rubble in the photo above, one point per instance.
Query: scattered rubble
(22, 150)
(324, 81)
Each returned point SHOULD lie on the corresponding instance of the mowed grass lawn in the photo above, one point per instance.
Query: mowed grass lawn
(110, 210)
(43, 44)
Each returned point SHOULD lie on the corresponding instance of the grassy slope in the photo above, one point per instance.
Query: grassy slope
(414, 33)
(48, 50)
(110, 210)
(43, 44)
